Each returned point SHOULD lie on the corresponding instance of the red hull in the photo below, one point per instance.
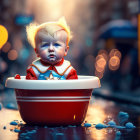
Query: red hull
(53, 107)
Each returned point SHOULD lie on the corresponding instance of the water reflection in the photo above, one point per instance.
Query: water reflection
(53, 133)
(96, 114)
(99, 111)
(6, 117)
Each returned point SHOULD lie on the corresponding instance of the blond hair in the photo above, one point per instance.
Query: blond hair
(50, 27)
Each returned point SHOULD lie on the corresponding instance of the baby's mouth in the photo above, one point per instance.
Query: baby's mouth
(51, 55)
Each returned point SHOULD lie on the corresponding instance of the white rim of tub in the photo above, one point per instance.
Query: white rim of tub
(83, 82)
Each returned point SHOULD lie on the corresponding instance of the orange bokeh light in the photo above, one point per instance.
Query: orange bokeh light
(6, 47)
(12, 54)
(103, 53)
(114, 63)
(115, 52)
(100, 63)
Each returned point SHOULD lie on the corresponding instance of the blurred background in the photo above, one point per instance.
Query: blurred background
(104, 44)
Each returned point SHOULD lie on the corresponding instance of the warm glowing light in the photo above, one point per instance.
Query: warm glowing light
(96, 114)
(6, 115)
(74, 117)
(3, 36)
(99, 112)
(98, 57)
(118, 53)
(103, 53)
(115, 52)
(100, 62)
(93, 113)
(6, 47)
(12, 55)
(114, 62)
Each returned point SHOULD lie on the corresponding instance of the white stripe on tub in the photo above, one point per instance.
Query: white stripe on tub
(52, 100)
(52, 97)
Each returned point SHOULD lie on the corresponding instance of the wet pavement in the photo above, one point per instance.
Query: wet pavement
(99, 111)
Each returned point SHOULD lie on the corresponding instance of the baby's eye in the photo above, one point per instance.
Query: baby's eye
(45, 45)
(57, 44)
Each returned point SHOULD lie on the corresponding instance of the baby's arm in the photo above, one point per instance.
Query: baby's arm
(31, 74)
(72, 74)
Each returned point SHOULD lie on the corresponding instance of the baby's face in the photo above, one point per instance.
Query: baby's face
(49, 49)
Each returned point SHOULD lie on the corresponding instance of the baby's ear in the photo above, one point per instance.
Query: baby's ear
(66, 50)
(36, 52)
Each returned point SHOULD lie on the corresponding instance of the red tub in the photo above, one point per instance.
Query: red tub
(53, 102)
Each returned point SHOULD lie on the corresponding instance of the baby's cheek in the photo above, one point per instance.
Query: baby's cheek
(61, 54)
(44, 53)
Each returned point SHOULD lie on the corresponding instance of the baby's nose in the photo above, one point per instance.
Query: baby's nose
(51, 48)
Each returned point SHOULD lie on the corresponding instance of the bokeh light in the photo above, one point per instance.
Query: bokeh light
(115, 52)
(6, 47)
(3, 66)
(3, 36)
(114, 61)
(12, 54)
(104, 54)
(101, 62)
